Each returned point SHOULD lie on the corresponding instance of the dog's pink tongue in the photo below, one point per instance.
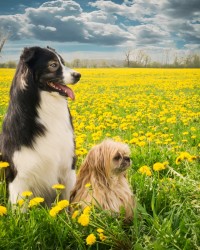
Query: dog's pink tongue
(68, 92)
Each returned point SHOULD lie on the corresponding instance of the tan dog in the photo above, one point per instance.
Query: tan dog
(104, 168)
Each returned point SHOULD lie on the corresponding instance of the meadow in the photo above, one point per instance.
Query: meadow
(157, 113)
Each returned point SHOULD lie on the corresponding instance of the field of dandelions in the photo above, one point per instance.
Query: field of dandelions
(156, 112)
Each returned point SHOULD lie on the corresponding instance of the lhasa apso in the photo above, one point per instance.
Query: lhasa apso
(105, 169)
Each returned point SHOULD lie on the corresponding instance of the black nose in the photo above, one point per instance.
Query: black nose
(76, 75)
(126, 158)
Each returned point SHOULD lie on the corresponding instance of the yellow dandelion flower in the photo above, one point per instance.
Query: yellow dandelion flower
(100, 230)
(63, 204)
(184, 156)
(87, 210)
(4, 164)
(35, 201)
(87, 185)
(102, 236)
(84, 220)
(134, 141)
(193, 129)
(145, 170)
(178, 160)
(54, 211)
(91, 239)
(165, 163)
(26, 194)
(20, 202)
(141, 144)
(135, 134)
(58, 186)
(192, 158)
(158, 166)
(3, 210)
(75, 214)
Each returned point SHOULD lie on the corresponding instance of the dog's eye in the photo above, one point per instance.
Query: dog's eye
(117, 157)
(53, 65)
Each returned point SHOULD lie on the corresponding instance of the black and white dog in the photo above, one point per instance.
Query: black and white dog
(37, 136)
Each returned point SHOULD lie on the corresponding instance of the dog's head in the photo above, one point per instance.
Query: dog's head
(48, 71)
(108, 159)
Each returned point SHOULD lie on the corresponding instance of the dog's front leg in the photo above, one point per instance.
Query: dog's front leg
(69, 183)
(16, 188)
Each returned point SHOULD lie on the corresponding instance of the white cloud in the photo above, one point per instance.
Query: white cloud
(149, 34)
(65, 21)
(99, 16)
(133, 12)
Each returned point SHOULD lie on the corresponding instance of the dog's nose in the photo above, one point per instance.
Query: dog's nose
(76, 75)
(126, 158)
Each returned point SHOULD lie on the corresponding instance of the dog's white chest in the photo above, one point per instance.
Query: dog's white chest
(54, 115)
(52, 153)
(58, 139)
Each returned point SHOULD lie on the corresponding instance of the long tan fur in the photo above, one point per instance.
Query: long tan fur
(109, 186)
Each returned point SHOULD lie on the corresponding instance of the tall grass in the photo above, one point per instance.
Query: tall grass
(157, 112)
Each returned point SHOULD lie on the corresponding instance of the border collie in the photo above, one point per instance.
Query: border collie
(37, 135)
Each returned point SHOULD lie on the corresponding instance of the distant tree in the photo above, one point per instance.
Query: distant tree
(3, 39)
(104, 64)
(85, 63)
(128, 54)
(9, 64)
(176, 62)
(166, 56)
(141, 59)
(155, 65)
(76, 63)
(196, 61)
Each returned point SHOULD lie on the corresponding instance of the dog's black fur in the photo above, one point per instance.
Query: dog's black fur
(37, 69)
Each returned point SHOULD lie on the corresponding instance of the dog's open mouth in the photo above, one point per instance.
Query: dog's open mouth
(62, 89)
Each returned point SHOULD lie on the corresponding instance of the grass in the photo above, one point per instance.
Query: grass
(155, 111)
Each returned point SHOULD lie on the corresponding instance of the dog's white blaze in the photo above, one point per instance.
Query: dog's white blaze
(66, 72)
(51, 159)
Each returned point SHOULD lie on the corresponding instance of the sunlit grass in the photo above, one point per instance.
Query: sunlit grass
(155, 111)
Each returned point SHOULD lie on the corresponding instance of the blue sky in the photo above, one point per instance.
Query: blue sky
(101, 29)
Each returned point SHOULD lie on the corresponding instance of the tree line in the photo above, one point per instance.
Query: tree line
(140, 59)
(189, 61)
(132, 59)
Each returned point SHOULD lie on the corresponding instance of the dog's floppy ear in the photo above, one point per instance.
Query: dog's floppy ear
(23, 75)
(28, 54)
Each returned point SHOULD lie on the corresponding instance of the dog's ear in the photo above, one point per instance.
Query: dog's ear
(23, 75)
(51, 49)
(28, 54)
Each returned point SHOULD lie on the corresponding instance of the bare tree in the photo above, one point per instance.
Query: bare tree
(166, 56)
(142, 58)
(127, 57)
(147, 60)
(3, 39)
(76, 63)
